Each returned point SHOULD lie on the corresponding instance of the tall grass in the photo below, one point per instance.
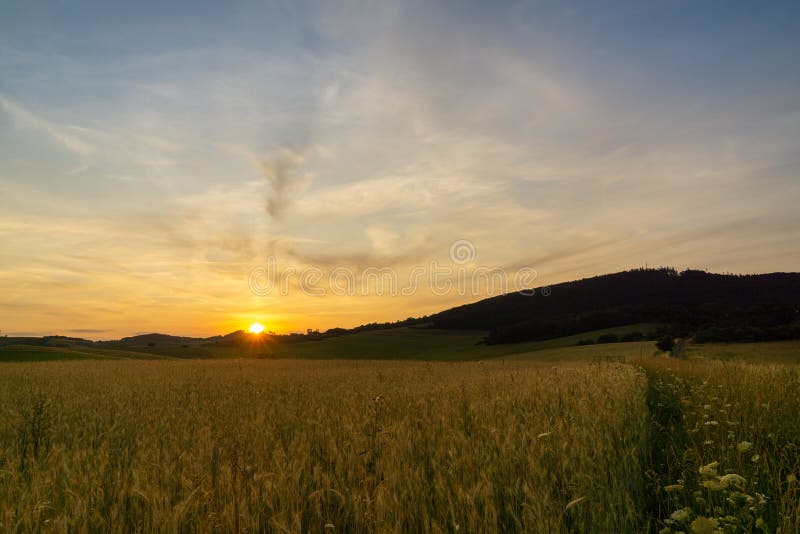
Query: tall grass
(366, 446)
(726, 446)
(321, 446)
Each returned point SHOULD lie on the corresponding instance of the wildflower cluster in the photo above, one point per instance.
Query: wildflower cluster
(720, 504)
(734, 447)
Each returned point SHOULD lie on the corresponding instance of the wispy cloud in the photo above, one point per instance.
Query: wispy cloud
(284, 172)
(24, 118)
(378, 136)
(395, 193)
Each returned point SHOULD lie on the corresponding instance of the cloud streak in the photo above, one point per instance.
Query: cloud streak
(378, 136)
(24, 118)
(284, 174)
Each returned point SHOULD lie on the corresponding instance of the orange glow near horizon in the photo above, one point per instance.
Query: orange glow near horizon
(256, 328)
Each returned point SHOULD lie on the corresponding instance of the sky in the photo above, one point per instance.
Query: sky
(159, 160)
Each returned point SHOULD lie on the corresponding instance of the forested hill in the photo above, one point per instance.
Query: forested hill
(711, 307)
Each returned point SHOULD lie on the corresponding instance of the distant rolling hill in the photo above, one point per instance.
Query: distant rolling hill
(404, 343)
(161, 340)
(17, 352)
(628, 306)
(711, 307)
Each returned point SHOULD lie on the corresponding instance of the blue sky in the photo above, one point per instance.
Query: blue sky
(151, 154)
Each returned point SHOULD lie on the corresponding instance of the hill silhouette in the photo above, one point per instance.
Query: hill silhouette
(711, 307)
(706, 306)
(155, 339)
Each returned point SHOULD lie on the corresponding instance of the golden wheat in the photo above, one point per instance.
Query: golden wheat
(376, 446)
(299, 446)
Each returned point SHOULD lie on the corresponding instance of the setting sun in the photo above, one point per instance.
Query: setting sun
(256, 328)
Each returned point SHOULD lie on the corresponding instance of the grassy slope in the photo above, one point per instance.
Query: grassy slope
(169, 351)
(391, 344)
(767, 352)
(418, 344)
(630, 351)
(31, 353)
(424, 344)
(26, 353)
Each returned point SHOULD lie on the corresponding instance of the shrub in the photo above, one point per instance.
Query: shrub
(665, 343)
(608, 338)
(633, 336)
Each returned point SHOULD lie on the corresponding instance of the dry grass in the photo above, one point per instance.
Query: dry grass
(320, 446)
(365, 446)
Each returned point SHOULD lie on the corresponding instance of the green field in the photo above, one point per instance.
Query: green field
(390, 344)
(426, 344)
(772, 352)
(421, 344)
(24, 353)
(32, 353)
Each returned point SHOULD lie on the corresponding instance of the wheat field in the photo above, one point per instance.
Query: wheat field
(377, 446)
(302, 446)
